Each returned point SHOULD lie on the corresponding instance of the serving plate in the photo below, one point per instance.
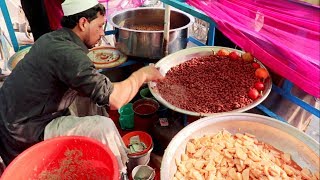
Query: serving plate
(15, 58)
(166, 63)
(106, 57)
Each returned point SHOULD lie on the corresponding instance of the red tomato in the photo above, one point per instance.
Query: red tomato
(259, 86)
(256, 65)
(253, 93)
(234, 55)
(223, 52)
(262, 73)
(247, 57)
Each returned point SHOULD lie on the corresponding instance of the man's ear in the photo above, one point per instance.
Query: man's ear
(82, 23)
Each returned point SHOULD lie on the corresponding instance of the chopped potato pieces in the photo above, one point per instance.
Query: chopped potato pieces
(236, 157)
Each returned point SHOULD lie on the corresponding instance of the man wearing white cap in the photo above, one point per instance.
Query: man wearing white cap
(35, 97)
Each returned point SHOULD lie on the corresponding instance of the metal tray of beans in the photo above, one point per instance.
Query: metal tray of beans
(211, 80)
(291, 154)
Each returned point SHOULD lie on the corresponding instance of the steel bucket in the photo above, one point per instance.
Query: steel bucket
(147, 43)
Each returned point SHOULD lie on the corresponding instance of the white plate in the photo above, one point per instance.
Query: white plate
(166, 63)
(106, 57)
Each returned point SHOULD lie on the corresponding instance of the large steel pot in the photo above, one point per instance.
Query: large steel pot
(303, 149)
(146, 43)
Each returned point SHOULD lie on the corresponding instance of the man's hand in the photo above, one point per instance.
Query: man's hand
(124, 91)
(151, 73)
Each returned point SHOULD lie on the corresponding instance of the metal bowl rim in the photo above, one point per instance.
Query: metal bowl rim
(110, 20)
(203, 48)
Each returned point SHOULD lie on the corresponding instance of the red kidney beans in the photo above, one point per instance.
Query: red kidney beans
(209, 84)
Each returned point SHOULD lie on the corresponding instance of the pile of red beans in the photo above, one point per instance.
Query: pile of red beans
(209, 84)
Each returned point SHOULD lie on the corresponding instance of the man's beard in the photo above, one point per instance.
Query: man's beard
(89, 46)
(87, 40)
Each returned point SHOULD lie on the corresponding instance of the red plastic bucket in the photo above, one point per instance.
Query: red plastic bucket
(69, 157)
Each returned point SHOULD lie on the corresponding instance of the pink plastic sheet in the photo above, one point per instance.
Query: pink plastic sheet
(117, 5)
(283, 34)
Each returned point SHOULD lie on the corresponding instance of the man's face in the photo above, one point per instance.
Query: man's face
(94, 31)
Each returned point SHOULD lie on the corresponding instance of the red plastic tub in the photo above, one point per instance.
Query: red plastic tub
(140, 158)
(69, 157)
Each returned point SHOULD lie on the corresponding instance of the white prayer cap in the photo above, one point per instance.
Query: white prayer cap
(70, 7)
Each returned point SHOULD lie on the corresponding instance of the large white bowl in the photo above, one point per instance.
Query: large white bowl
(166, 63)
(303, 149)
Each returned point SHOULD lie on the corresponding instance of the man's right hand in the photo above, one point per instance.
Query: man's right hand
(151, 73)
(124, 91)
